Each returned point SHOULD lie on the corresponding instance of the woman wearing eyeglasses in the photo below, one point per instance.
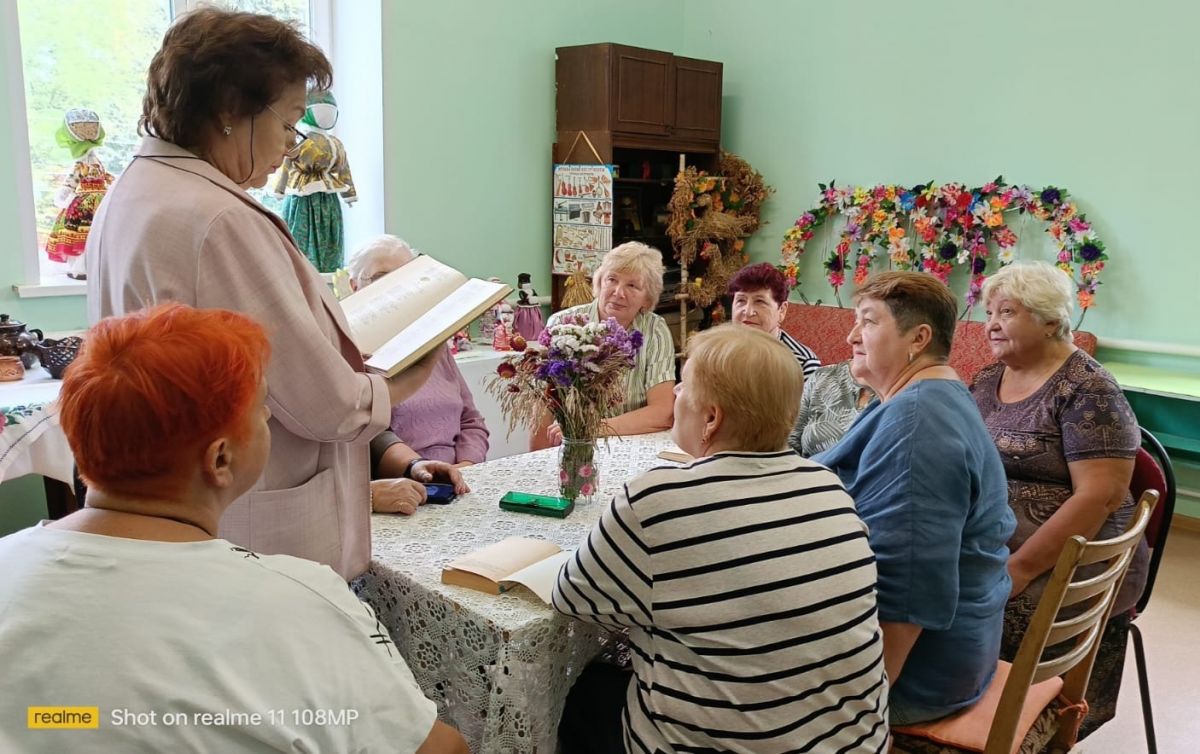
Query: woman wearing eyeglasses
(223, 96)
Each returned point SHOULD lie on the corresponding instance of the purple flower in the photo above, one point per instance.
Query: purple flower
(835, 263)
(978, 265)
(636, 339)
(1090, 252)
(948, 251)
(1050, 195)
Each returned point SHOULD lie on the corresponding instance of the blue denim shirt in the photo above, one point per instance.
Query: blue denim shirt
(927, 479)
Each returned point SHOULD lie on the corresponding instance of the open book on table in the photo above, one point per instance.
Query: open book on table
(533, 563)
(412, 310)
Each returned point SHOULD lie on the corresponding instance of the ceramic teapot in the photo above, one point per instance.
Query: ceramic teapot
(16, 340)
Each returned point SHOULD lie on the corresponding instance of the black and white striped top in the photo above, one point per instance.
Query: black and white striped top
(749, 588)
(809, 361)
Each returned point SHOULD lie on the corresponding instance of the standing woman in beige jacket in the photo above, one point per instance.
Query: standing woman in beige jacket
(223, 95)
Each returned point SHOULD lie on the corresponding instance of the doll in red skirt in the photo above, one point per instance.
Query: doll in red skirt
(80, 195)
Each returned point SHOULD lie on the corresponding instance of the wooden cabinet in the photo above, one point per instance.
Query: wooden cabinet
(646, 112)
(697, 100)
(643, 98)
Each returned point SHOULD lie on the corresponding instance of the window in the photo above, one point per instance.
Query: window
(80, 54)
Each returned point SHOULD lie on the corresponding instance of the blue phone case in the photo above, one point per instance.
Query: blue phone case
(439, 493)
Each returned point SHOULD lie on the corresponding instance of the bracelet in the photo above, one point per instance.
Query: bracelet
(408, 469)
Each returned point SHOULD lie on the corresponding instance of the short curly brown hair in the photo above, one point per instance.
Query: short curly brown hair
(216, 61)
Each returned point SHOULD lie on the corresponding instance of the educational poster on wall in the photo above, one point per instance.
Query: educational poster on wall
(583, 216)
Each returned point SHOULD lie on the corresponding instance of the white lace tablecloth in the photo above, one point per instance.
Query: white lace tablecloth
(498, 666)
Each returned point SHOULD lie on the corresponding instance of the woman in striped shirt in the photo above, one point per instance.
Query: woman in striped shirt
(745, 579)
(760, 295)
(627, 285)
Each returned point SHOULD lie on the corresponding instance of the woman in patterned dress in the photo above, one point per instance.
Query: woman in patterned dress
(832, 400)
(1067, 437)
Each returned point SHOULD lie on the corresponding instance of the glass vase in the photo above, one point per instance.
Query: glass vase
(578, 477)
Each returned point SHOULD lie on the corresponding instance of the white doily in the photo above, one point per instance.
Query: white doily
(498, 666)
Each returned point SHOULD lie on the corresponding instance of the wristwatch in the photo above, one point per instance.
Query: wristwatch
(408, 469)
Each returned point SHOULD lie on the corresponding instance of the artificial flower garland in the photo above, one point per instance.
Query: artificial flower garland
(934, 228)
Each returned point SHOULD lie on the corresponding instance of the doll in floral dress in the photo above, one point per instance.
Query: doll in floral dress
(80, 195)
(310, 183)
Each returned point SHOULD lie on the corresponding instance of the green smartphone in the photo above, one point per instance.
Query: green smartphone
(539, 505)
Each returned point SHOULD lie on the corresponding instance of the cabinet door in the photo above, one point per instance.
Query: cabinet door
(697, 100)
(643, 91)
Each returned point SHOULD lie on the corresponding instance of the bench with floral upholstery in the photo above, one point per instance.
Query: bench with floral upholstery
(824, 330)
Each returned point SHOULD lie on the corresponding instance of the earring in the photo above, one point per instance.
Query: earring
(910, 357)
(227, 130)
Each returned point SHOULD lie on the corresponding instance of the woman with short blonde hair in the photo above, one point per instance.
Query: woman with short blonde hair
(733, 573)
(627, 285)
(636, 259)
(758, 412)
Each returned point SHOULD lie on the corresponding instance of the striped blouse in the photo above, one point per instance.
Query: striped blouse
(655, 362)
(809, 361)
(748, 586)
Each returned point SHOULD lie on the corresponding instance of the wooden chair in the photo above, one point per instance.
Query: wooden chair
(1023, 715)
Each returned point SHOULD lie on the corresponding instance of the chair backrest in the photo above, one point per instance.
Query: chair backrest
(1152, 470)
(1077, 629)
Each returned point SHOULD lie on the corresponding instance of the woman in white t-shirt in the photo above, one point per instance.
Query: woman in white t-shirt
(181, 641)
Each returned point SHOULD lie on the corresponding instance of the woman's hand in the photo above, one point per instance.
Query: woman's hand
(425, 470)
(554, 434)
(1020, 581)
(402, 496)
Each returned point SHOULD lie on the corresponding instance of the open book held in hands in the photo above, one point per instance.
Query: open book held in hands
(413, 309)
(533, 563)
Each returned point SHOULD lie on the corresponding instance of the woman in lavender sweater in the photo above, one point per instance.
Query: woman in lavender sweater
(438, 424)
(440, 421)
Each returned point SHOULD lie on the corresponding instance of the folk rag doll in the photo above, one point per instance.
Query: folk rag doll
(528, 320)
(310, 183)
(79, 196)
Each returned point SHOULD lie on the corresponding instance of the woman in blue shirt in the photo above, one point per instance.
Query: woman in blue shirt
(928, 481)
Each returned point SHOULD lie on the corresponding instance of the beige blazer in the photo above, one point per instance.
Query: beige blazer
(175, 228)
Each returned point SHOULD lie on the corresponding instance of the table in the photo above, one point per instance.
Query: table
(31, 441)
(498, 666)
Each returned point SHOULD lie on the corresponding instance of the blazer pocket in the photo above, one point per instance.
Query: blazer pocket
(300, 521)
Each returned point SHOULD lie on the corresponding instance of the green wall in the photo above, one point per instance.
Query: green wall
(469, 108)
(1097, 96)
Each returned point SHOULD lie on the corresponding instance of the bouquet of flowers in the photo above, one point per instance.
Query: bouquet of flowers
(574, 372)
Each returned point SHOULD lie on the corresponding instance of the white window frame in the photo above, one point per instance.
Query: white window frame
(32, 284)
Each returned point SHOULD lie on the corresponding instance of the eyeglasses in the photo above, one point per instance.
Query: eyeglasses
(298, 137)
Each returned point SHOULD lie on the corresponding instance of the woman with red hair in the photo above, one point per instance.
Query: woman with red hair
(165, 411)
(760, 300)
